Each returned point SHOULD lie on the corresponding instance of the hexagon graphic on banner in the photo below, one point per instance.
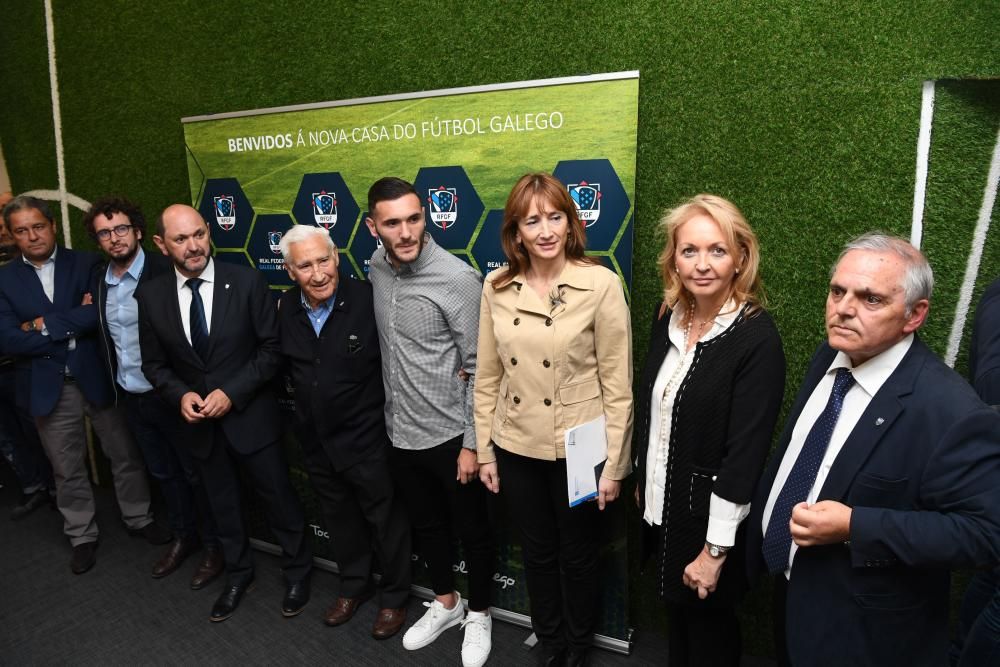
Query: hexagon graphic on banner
(363, 246)
(324, 200)
(599, 196)
(623, 251)
(452, 206)
(264, 250)
(238, 257)
(227, 211)
(487, 249)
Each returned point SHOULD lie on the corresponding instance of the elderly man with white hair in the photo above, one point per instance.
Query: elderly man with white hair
(329, 338)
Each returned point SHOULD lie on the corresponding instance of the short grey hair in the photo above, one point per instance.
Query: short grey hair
(25, 202)
(918, 278)
(300, 233)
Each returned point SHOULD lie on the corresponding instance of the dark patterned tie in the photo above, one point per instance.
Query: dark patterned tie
(778, 540)
(199, 325)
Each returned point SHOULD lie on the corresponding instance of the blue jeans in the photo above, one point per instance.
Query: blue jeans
(155, 428)
(19, 442)
(979, 622)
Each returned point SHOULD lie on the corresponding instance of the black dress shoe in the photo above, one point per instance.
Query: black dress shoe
(153, 533)
(84, 557)
(29, 503)
(229, 599)
(296, 597)
(179, 550)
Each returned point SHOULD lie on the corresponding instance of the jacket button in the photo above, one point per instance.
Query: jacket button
(517, 399)
(518, 288)
(513, 361)
(547, 402)
(546, 363)
(517, 320)
(548, 321)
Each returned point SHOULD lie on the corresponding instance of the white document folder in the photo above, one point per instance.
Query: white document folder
(586, 452)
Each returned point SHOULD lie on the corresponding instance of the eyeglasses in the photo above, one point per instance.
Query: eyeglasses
(119, 230)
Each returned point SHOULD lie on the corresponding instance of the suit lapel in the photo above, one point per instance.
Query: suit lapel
(875, 422)
(32, 283)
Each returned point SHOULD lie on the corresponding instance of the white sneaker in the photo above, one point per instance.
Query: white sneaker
(478, 639)
(435, 620)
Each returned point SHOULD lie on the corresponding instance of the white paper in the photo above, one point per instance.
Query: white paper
(586, 448)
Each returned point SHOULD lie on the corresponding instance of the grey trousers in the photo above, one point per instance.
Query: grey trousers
(65, 442)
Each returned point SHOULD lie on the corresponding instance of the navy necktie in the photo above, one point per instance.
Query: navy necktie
(778, 539)
(199, 324)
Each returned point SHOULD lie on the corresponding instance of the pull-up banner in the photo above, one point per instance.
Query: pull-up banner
(254, 174)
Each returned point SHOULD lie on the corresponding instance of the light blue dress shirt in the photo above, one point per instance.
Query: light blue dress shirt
(122, 313)
(320, 314)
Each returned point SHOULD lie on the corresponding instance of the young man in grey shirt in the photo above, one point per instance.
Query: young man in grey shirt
(427, 312)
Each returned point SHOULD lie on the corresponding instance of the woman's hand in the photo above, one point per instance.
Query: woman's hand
(607, 490)
(489, 476)
(702, 574)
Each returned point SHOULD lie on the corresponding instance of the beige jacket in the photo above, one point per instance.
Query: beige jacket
(543, 368)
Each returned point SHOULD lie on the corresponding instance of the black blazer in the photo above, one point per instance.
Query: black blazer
(155, 264)
(921, 470)
(244, 355)
(339, 398)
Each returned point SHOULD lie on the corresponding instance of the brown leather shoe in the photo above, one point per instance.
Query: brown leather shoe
(343, 610)
(388, 622)
(212, 564)
(179, 550)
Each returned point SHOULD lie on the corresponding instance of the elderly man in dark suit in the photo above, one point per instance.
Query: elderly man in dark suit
(209, 340)
(887, 475)
(48, 324)
(328, 336)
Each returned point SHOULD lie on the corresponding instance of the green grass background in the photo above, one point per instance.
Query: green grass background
(804, 114)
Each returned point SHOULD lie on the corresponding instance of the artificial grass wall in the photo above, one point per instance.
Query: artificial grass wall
(804, 114)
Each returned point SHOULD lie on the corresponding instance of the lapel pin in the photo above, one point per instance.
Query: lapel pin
(879, 421)
(227, 285)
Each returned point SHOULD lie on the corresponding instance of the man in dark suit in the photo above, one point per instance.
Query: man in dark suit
(887, 475)
(48, 324)
(328, 336)
(209, 340)
(118, 226)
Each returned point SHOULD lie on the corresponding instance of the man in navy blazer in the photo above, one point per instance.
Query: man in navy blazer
(905, 484)
(48, 323)
(208, 333)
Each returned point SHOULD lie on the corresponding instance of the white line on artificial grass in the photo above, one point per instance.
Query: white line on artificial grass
(975, 256)
(50, 38)
(923, 155)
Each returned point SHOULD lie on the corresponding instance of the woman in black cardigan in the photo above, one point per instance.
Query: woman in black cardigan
(709, 397)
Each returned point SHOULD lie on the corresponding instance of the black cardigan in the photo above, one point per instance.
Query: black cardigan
(721, 427)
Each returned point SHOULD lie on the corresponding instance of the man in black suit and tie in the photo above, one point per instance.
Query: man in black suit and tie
(209, 341)
(886, 477)
(328, 336)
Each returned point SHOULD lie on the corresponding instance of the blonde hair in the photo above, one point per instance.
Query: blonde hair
(746, 285)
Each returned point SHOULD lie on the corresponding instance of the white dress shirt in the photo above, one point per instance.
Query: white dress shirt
(724, 517)
(206, 290)
(869, 378)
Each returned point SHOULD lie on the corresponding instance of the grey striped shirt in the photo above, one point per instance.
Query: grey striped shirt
(428, 326)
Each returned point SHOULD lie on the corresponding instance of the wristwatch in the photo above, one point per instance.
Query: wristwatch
(715, 551)
(33, 326)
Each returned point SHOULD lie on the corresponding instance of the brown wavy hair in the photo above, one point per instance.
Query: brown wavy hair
(552, 195)
(746, 286)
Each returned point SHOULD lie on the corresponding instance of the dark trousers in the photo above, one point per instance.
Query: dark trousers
(437, 503)
(364, 517)
(154, 426)
(778, 616)
(979, 622)
(559, 545)
(19, 441)
(268, 474)
(702, 636)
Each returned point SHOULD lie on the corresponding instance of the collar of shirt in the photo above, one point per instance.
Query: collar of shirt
(872, 374)
(134, 269)
(208, 275)
(50, 260)
(723, 320)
